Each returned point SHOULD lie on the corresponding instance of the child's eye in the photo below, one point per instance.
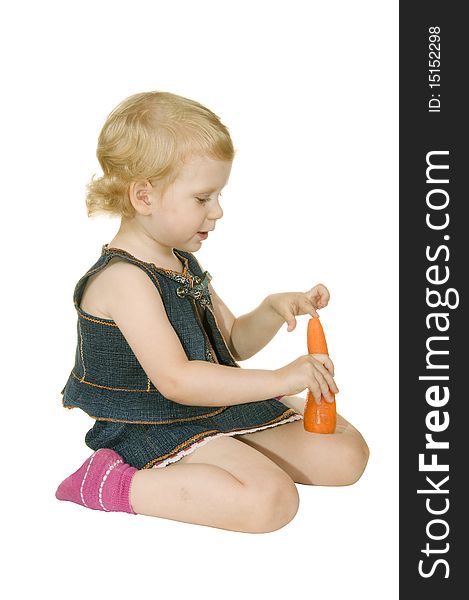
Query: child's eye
(204, 200)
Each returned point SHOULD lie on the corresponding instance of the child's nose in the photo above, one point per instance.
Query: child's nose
(216, 211)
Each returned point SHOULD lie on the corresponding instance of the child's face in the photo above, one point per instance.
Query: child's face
(190, 205)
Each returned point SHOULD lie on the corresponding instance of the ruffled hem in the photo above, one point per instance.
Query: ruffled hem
(209, 438)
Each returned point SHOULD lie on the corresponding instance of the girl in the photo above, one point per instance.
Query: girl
(181, 431)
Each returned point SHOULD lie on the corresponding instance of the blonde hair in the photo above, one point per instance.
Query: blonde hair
(149, 136)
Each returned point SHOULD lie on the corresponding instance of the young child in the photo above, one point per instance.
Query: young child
(181, 431)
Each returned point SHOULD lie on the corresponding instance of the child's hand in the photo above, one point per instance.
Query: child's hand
(312, 371)
(291, 304)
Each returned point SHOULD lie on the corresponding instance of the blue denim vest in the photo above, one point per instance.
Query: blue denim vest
(108, 382)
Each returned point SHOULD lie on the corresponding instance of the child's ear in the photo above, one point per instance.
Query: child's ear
(139, 195)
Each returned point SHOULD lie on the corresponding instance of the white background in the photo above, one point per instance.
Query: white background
(308, 91)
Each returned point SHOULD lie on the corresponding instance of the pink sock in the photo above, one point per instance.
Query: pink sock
(101, 483)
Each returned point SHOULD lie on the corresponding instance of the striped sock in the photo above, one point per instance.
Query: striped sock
(101, 483)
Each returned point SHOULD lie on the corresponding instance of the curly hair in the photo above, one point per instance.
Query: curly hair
(149, 136)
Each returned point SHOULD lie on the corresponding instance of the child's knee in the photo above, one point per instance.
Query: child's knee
(355, 458)
(274, 501)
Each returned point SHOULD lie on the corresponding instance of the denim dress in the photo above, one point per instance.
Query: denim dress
(131, 415)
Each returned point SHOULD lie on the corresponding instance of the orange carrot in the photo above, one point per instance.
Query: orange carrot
(318, 418)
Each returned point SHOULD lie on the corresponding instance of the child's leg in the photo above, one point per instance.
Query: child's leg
(312, 458)
(223, 484)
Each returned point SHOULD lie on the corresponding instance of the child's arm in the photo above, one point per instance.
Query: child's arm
(132, 301)
(248, 334)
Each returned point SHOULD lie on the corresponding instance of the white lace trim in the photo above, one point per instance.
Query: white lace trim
(196, 445)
